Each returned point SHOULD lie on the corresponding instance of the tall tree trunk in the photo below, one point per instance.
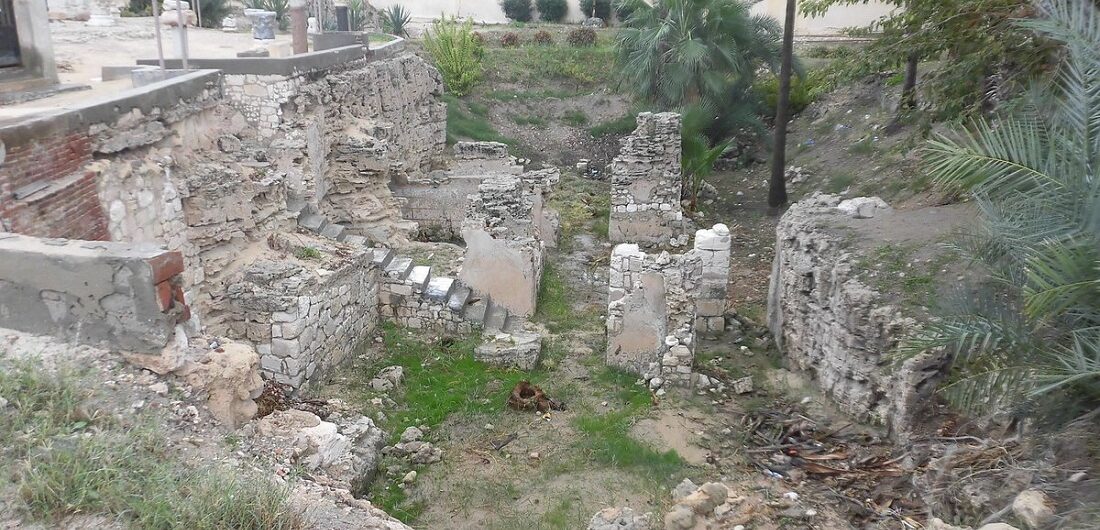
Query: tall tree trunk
(777, 189)
(909, 89)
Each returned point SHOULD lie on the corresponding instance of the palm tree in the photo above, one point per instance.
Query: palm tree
(777, 185)
(1031, 333)
(677, 53)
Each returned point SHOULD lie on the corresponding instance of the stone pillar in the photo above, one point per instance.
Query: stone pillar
(713, 248)
(646, 184)
(298, 26)
(32, 24)
(263, 24)
(103, 13)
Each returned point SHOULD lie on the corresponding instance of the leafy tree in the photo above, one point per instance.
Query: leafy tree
(1032, 333)
(983, 53)
(678, 53)
(518, 10)
(552, 10)
(698, 154)
(457, 51)
(597, 8)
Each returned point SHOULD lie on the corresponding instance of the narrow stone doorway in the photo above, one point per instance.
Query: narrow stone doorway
(9, 37)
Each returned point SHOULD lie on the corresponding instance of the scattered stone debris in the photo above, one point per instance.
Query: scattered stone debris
(1033, 508)
(388, 378)
(742, 385)
(526, 396)
(619, 519)
(414, 448)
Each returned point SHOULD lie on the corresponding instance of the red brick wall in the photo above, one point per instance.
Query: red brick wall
(69, 207)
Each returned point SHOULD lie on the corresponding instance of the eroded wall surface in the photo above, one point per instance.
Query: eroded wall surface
(827, 321)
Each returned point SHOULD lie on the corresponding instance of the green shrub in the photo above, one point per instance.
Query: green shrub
(552, 10)
(597, 8)
(582, 37)
(509, 39)
(456, 52)
(805, 89)
(395, 20)
(543, 37)
(357, 15)
(138, 8)
(517, 10)
(213, 11)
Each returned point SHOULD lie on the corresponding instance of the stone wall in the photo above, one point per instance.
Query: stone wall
(651, 314)
(305, 315)
(646, 184)
(712, 246)
(104, 294)
(829, 322)
(503, 247)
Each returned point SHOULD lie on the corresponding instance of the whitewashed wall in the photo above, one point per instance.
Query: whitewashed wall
(489, 12)
(832, 22)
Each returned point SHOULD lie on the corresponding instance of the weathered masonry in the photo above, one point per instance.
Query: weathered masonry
(265, 185)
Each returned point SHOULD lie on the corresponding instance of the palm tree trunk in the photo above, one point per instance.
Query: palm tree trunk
(909, 88)
(777, 189)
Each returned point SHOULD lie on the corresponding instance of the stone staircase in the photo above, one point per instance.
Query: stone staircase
(412, 296)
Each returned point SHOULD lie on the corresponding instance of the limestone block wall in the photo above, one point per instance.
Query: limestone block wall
(827, 321)
(115, 295)
(503, 249)
(712, 246)
(304, 317)
(403, 303)
(647, 183)
(651, 314)
(438, 204)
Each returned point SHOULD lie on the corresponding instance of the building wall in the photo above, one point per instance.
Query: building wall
(482, 11)
(832, 22)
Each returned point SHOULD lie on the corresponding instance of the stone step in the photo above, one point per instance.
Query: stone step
(459, 296)
(296, 205)
(333, 231)
(494, 321)
(513, 324)
(476, 308)
(356, 241)
(399, 268)
(440, 288)
(383, 256)
(419, 277)
(313, 222)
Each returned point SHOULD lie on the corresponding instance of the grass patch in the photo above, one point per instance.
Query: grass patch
(575, 118)
(555, 306)
(534, 65)
(529, 95)
(443, 378)
(537, 122)
(66, 459)
(864, 146)
(583, 205)
(617, 127)
(307, 253)
(465, 124)
(839, 183)
(608, 442)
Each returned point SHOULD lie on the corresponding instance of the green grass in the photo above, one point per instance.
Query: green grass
(584, 206)
(840, 182)
(64, 459)
(307, 253)
(864, 146)
(464, 123)
(534, 65)
(442, 378)
(575, 118)
(537, 122)
(618, 126)
(555, 306)
(529, 95)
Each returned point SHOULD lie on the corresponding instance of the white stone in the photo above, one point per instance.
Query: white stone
(1033, 508)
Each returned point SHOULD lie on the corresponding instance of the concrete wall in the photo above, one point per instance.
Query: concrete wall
(832, 22)
(117, 295)
(36, 49)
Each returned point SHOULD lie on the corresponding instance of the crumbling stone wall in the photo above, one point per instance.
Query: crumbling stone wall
(115, 295)
(651, 314)
(712, 246)
(828, 321)
(647, 183)
(304, 317)
(503, 248)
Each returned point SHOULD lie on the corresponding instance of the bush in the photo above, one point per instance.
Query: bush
(601, 8)
(518, 10)
(805, 89)
(582, 37)
(509, 40)
(395, 20)
(357, 15)
(457, 53)
(479, 38)
(543, 37)
(552, 10)
(213, 11)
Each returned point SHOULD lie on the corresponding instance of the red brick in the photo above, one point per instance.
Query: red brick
(164, 295)
(166, 265)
